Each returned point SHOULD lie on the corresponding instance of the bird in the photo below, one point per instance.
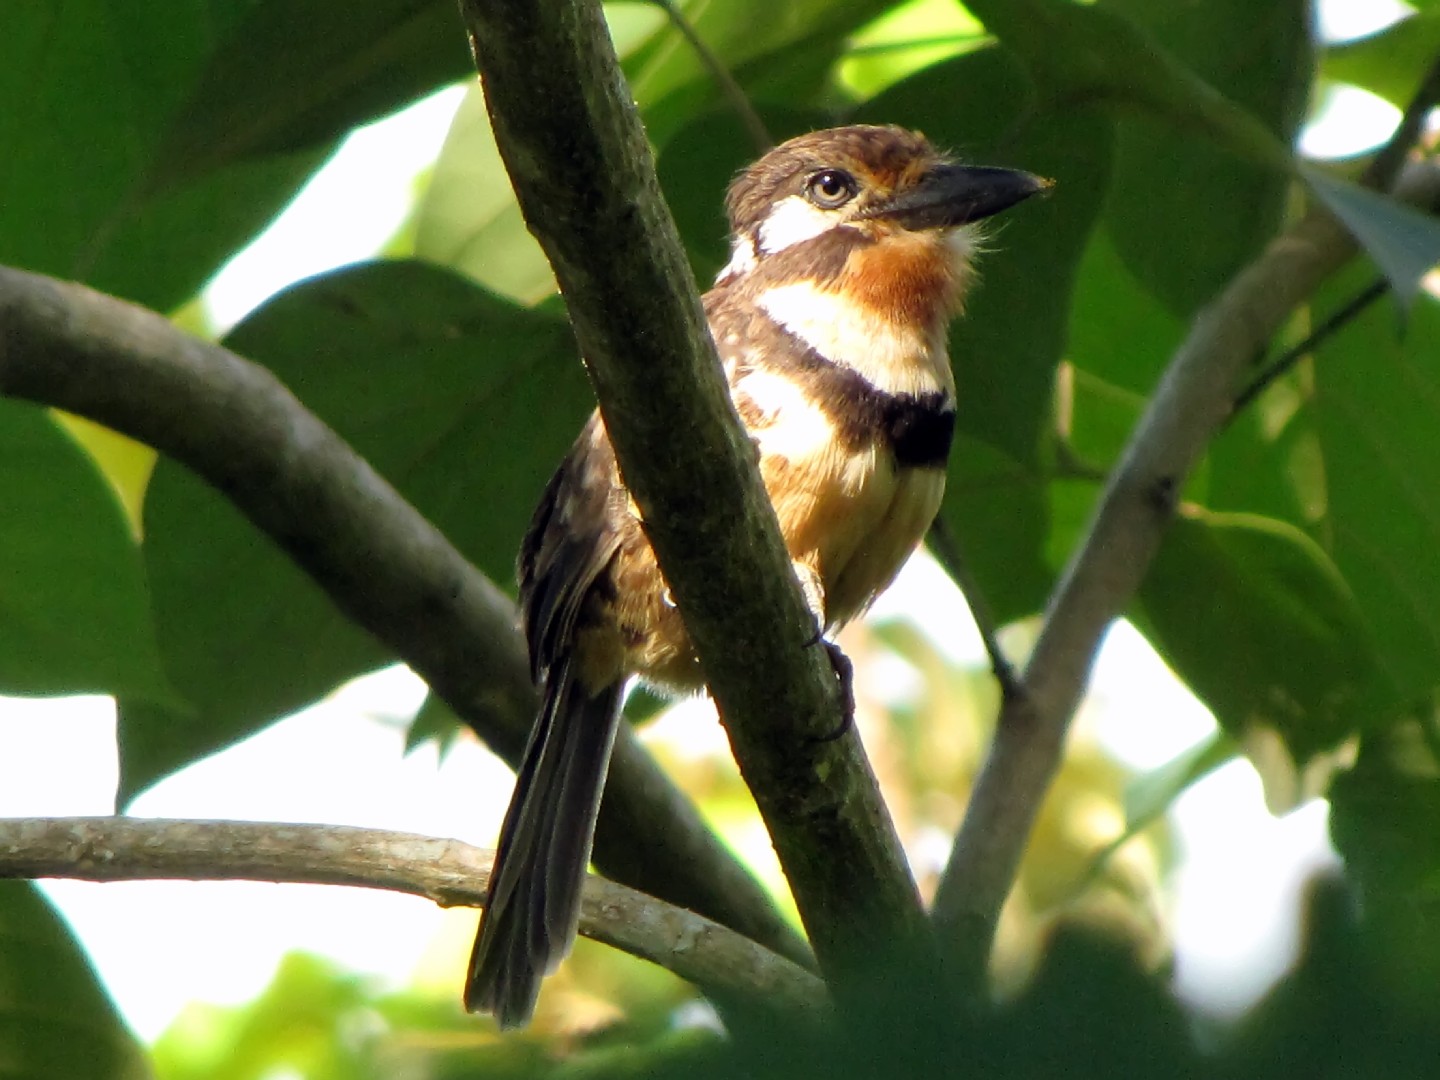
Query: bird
(851, 250)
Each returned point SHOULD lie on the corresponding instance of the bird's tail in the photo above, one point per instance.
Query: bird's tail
(532, 906)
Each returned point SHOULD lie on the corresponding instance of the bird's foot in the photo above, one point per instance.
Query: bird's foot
(845, 674)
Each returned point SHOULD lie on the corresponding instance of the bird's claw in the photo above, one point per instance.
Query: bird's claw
(845, 674)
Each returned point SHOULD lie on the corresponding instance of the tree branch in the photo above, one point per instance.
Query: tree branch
(717, 960)
(1190, 405)
(584, 176)
(377, 558)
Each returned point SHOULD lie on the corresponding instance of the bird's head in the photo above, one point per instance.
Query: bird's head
(873, 212)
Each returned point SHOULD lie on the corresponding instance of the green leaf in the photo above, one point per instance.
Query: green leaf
(1377, 411)
(1259, 623)
(434, 721)
(55, 1021)
(74, 611)
(313, 1020)
(1119, 331)
(1150, 795)
(279, 84)
(468, 219)
(1121, 339)
(905, 39)
(463, 401)
(1384, 817)
(159, 140)
(1186, 213)
(1013, 334)
(1255, 467)
(89, 93)
(998, 515)
(1103, 416)
(1079, 53)
(1392, 62)
(1404, 243)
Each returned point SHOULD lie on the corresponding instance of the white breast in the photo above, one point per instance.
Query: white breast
(892, 356)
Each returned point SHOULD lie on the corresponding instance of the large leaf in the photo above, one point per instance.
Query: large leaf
(156, 139)
(1257, 620)
(1121, 339)
(1119, 332)
(1006, 347)
(1404, 242)
(281, 82)
(1384, 817)
(468, 218)
(1085, 53)
(55, 1021)
(1377, 409)
(88, 89)
(463, 401)
(1392, 62)
(74, 611)
(1184, 213)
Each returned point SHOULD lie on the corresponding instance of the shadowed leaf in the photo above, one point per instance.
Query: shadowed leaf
(74, 610)
(1186, 213)
(1258, 622)
(55, 1021)
(462, 400)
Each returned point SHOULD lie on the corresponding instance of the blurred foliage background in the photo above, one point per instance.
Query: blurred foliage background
(1297, 595)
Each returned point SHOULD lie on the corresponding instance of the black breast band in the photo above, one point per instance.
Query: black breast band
(918, 428)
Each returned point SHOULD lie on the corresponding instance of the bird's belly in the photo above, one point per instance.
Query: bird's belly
(854, 518)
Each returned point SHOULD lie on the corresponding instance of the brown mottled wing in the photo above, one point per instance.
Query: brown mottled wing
(533, 902)
(570, 542)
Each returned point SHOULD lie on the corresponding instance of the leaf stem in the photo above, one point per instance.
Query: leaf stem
(1290, 357)
(734, 94)
(946, 550)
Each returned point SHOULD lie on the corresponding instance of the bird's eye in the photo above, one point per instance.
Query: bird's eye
(831, 188)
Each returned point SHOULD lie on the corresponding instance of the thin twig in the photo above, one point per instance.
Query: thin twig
(933, 41)
(1290, 357)
(1386, 165)
(947, 553)
(733, 92)
(450, 873)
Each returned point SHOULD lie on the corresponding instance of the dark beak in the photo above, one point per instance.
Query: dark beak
(950, 195)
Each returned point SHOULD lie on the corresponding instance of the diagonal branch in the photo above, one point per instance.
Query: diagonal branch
(585, 180)
(717, 960)
(1191, 404)
(383, 565)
